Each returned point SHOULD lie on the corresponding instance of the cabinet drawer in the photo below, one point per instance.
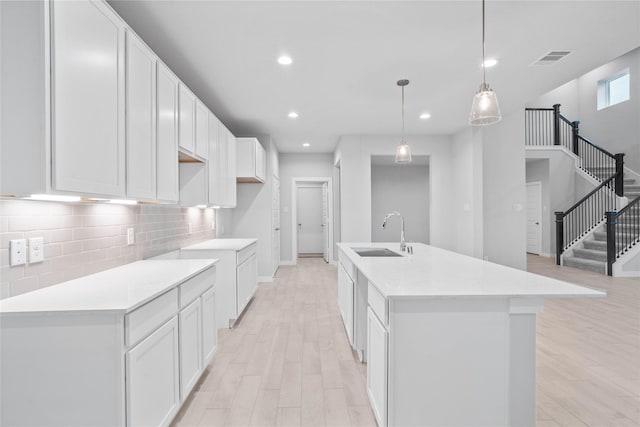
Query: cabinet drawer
(378, 304)
(142, 321)
(244, 254)
(196, 286)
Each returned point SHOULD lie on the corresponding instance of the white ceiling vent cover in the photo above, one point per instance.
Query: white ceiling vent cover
(552, 57)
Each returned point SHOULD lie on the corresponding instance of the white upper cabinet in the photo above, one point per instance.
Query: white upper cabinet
(202, 130)
(167, 148)
(251, 160)
(141, 120)
(88, 88)
(187, 117)
(230, 177)
(213, 165)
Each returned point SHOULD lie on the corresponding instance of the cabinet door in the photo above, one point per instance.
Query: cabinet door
(153, 378)
(141, 120)
(246, 282)
(88, 141)
(213, 165)
(209, 329)
(167, 167)
(190, 347)
(223, 164)
(231, 172)
(377, 353)
(202, 130)
(187, 119)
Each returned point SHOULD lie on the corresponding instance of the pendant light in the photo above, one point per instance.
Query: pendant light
(403, 152)
(484, 108)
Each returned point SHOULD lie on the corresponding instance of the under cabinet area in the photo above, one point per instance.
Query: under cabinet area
(128, 358)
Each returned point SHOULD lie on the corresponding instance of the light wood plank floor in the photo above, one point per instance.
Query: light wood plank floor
(288, 362)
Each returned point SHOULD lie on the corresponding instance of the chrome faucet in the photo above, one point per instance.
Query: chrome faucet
(403, 244)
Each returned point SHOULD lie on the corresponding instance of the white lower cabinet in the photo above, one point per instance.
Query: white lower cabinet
(153, 378)
(378, 353)
(209, 328)
(246, 274)
(190, 346)
(108, 367)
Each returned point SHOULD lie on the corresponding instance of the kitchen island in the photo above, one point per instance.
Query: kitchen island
(449, 340)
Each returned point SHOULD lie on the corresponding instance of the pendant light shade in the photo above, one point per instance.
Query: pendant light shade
(403, 152)
(484, 107)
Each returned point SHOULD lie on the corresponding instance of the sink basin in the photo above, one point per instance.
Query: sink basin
(378, 252)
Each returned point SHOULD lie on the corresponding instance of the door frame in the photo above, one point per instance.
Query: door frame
(294, 213)
(537, 184)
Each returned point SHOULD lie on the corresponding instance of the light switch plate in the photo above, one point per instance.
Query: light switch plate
(36, 250)
(131, 236)
(17, 252)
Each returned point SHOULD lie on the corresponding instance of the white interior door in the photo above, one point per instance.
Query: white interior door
(325, 221)
(275, 215)
(310, 223)
(534, 218)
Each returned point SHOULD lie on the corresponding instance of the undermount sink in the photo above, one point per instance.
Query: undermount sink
(378, 252)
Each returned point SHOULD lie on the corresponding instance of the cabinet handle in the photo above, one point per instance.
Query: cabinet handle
(277, 228)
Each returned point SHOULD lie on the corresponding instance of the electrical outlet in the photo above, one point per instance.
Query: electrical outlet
(189, 229)
(213, 225)
(131, 236)
(17, 252)
(36, 250)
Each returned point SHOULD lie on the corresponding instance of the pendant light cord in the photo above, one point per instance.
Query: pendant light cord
(484, 71)
(403, 141)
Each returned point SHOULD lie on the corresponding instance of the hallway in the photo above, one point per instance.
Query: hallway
(288, 361)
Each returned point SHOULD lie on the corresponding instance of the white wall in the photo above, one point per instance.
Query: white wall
(616, 128)
(402, 188)
(297, 166)
(466, 210)
(252, 216)
(504, 198)
(354, 154)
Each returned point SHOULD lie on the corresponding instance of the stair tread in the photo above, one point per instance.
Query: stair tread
(586, 264)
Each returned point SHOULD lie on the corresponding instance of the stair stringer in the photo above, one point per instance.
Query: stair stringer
(628, 265)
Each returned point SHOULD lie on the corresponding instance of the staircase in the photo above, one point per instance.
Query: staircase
(596, 231)
(592, 256)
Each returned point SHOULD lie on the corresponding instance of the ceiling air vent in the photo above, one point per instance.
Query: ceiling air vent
(552, 57)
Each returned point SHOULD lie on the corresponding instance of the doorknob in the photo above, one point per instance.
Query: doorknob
(537, 223)
(277, 228)
(321, 225)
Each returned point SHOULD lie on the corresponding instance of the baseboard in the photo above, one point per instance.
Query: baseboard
(287, 262)
(263, 279)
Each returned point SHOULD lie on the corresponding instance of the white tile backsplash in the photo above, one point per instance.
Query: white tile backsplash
(84, 238)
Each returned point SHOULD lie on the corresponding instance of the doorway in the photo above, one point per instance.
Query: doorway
(312, 225)
(534, 217)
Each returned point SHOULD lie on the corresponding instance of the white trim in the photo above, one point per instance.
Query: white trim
(265, 279)
(618, 265)
(294, 213)
(287, 262)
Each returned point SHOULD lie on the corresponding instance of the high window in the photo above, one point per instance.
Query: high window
(614, 89)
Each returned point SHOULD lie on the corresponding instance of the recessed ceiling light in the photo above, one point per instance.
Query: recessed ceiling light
(285, 60)
(425, 116)
(306, 144)
(490, 62)
(293, 115)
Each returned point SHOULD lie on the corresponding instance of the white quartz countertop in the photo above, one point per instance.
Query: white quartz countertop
(435, 272)
(221, 245)
(121, 289)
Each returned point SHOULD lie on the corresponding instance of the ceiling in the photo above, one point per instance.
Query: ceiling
(348, 55)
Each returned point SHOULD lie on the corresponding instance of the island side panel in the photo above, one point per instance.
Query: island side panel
(448, 362)
(62, 369)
